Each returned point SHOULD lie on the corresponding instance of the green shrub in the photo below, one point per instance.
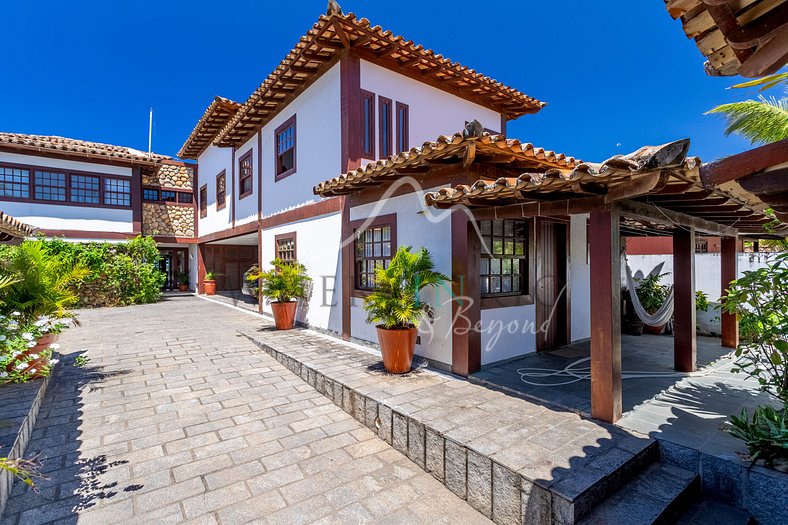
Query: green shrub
(651, 292)
(286, 281)
(766, 435)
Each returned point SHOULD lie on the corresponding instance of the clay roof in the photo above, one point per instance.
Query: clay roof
(73, 147)
(446, 150)
(11, 228)
(334, 35)
(663, 176)
(737, 37)
(212, 121)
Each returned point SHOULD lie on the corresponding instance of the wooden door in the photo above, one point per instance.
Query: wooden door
(552, 312)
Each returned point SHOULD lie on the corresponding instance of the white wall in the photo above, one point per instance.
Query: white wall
(414, 229)
(62, 217)
(508, 332)
(212, 161)
(317, 248)
(246, 208)
(432, 112)
(579, 279)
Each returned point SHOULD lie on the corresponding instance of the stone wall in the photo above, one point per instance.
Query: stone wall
(170, 176)
(169, 220)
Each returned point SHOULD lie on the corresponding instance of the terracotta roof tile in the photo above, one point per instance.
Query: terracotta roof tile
(81, 148)
(13, 228)
(212, 121)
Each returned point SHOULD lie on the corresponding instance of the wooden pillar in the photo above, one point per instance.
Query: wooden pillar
(259, 263)
(466, 340)
(729, 259)
(347, 256)
(684, 335)
(201, 268)
(605, 258)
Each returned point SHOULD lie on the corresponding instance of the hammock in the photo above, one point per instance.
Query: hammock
(658, 318)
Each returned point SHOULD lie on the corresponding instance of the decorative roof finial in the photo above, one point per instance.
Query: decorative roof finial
(473, 129)
(333, 8)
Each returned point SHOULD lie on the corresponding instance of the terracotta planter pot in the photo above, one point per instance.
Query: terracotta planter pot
(653, 330)
(210, 287)
(46, 339)
(184, 287)
(36, 364)
(397, 347)
(284, 314)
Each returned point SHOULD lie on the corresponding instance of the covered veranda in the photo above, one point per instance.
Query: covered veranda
(653, 191)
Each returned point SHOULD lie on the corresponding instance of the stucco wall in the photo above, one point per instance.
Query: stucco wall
(212, 161)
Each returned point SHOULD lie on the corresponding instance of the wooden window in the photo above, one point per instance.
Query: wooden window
(221, 190)
(168, 196)
(403, 126)
(367, 125)
(285, 149)
(49, 186)
(285, 246)
(375, 244)
(204, 200)
(85, 189)
(117, 192)
(245, 172)
(15, 183)
(384, 115)
(150, 194)
(504, 264)
(185, 197)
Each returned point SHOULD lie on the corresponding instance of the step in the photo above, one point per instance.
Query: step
(657, 495)
(711, 512)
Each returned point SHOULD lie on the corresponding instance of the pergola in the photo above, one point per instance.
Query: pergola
(13, 231)
(652, 191)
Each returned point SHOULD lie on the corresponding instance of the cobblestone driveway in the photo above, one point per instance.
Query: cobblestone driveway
(177, 418)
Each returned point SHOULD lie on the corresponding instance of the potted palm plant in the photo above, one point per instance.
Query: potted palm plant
(652, 294)
(283, 285)
(209, 282)
(183, 281)
(395, 307)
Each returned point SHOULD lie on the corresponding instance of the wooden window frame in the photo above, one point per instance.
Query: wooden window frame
(526, 296)
(367, 124)
(161, 189)
(283, 237)
(31, 187)
(221, 203)
(381, 220)
(286, 124)
(248, 156)
(66, 187)
(203, 198)
(384, 102)
(403, 127)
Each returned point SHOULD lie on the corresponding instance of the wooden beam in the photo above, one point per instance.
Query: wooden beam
(685, 351)
(729, 259)
(605, 256)
(635, 187)
(466, 356)
(654, 213)
(469, 155)
(768, 59)
(737, 166)
(541, 209)
(775, 181)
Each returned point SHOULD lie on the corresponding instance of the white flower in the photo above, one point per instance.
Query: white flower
(33, 356)
(21, 366)
(54, 361)
(28, 336)
(3, 337)
(54, 346)
(3, 374)
(15, 314)
(15, 354)
(31, 344)
(32, 371)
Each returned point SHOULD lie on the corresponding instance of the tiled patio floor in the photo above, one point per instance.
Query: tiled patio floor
(177, 418)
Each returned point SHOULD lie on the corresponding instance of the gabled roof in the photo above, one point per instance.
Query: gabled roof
(11, 228)
(334, 35)
(737, 37)
(73, 147)
(212, 121)
(446, 150)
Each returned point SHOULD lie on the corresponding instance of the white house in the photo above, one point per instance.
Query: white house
(85, 191)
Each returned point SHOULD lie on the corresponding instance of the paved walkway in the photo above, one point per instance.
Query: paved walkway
(178, 418)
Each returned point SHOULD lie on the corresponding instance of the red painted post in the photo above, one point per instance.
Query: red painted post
(605, 258)
(684, 334)
(466, 346)
(729, 259)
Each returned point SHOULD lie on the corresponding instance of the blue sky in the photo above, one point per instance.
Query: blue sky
(616, 74)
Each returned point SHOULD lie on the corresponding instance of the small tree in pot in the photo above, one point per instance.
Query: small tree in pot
(395, 307)
(183, 281)
(209, 283)
(282, 286)
(652, 294)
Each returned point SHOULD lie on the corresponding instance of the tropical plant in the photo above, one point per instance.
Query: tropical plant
(766, 434)
(760, 299)
(651, 292)
(394, 304)
(183, 277)
(765, 83)
(209, 276)
(284, 282)
(26, 470)
(761, 121)
(45, 284)
(702, 301)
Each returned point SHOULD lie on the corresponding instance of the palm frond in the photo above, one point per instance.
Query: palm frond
(761, 121)
(765, 82)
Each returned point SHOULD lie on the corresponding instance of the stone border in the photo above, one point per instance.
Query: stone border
(493, 489)
(20, 443)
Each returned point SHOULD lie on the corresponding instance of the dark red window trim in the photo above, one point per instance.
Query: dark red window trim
(279, 175)
(103, 177)
(355, 226)
(385, 111)
(526, 294)
(367, 134)
(161, 189)
(284, 237)
(221, 197)
(203, 201)
(403, 127)
(243, 177)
